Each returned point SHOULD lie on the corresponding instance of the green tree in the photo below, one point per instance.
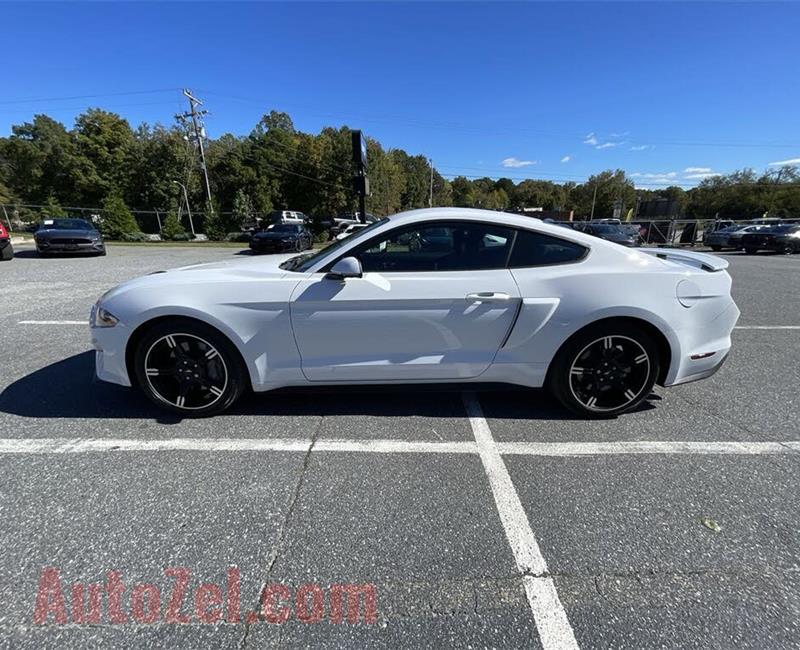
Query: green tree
(53, 209)
(172, 227)
(117, 218)
(243, 209)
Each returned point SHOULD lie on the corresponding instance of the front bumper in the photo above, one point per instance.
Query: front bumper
(109, 344)
(272, 246)
(66, 249)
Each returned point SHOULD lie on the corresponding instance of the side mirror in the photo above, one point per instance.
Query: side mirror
(347, 267)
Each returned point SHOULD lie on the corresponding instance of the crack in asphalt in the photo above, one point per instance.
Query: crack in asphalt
(278, 547)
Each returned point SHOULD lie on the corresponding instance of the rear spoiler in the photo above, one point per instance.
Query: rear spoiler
(702, 261)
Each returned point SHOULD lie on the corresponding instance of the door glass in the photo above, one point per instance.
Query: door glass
(438, 247)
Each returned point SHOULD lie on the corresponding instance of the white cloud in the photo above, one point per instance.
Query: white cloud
(566, 159)
(700, 175)
(607, 145)
(781, 163)
(697, 170)
(640, 147)
(591, 139)
(516, 162)
(665, 176)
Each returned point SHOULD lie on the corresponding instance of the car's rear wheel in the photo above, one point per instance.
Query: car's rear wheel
(605, 370)
(716, 249)
(7, 253)
(787, 249)
(750, 251)
(189, 368)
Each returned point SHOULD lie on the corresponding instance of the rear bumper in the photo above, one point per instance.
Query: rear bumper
(708, 343)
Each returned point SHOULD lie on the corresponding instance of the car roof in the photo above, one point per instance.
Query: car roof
(497, 218)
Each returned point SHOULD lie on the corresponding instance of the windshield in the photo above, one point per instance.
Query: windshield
(284, 227)
(608, 230)
(67, 224)
(785, 228)
(302, 263)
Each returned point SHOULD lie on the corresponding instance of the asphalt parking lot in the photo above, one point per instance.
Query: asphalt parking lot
(490, 519)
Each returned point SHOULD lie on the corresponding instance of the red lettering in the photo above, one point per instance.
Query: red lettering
(353, 593)
(234, 595)
(145, 594)
(115, 589)
(301, 608)
(207, 599)
(173, 613)
(50, 598)
(269, 597)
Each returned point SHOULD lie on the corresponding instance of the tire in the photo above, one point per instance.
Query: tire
(750, 251)
(42, 253)
(619, 364)
(787, 249)
(716, 249)
(7, 253)
(188, 367)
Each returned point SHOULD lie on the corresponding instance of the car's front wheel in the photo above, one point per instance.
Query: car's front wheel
(716, 249)
(750, 251)
(189, 368)
(605, 370)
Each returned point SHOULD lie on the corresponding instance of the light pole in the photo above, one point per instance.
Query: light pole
(594, 200)
(430, 196)
(188, 209)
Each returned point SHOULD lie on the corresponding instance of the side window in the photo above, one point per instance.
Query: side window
(440, 246)
(536, 249)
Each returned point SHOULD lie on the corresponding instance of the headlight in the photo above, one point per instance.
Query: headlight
(102, 317)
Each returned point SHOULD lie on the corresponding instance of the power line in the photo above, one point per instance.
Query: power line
(58, 99)
(310, 178)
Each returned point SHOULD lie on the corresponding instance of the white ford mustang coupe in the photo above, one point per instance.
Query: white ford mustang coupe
(439, 295)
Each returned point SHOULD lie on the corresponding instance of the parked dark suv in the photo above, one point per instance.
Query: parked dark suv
(6, 249)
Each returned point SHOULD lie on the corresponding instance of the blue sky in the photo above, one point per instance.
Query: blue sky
(538, 90)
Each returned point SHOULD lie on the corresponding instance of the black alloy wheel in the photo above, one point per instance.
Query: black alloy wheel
(605, 371)
(189, 368)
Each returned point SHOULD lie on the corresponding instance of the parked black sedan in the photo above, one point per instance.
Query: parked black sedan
(783, 239)
(60, 236)
(282, 237)
(611, 232)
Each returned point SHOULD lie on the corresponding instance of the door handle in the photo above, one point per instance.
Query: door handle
(488, 296)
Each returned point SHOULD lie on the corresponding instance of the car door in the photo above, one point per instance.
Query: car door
(430, 305)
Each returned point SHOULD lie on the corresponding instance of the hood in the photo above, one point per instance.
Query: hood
(50, 233)
(244, 268)
(267, 234)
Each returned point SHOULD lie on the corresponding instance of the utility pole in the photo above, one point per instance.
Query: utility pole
(196, 118)
(430, 196)
(594, 200)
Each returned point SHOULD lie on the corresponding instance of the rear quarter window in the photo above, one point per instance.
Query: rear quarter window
(536, 249)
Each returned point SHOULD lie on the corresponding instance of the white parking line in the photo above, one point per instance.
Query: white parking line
(89, 445)
(646, 447)
(380, 446)
(554, 629)
(767, 327)
(54, 322)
